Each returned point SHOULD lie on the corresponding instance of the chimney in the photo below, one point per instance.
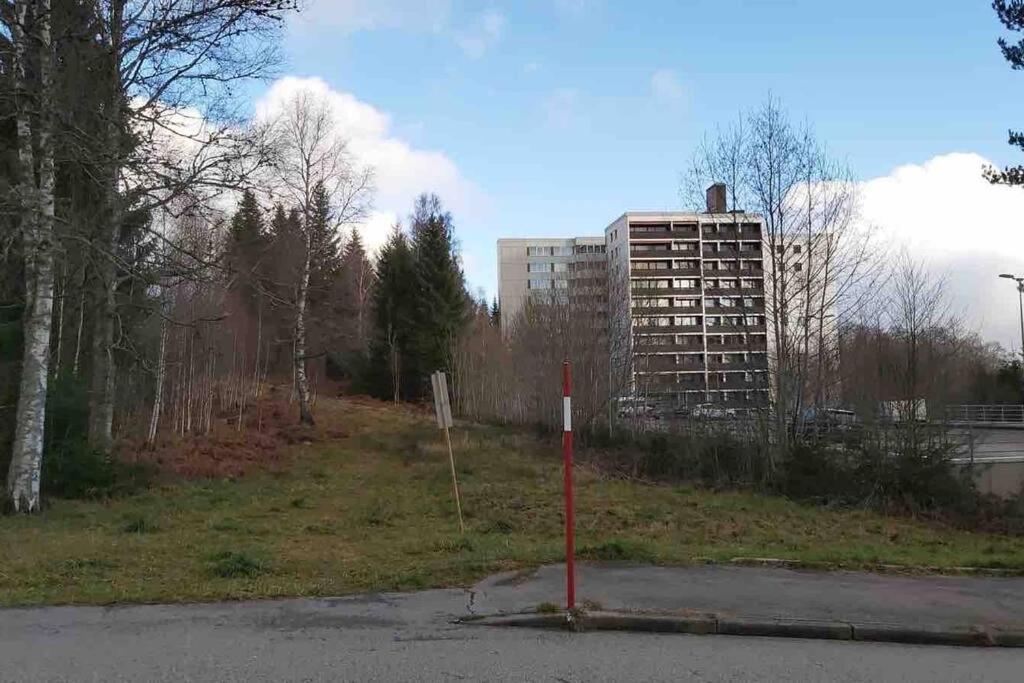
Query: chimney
(716, 197)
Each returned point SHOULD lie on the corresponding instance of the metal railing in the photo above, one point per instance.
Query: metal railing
(1007, 413)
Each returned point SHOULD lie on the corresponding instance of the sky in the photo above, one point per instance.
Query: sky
(553, 117)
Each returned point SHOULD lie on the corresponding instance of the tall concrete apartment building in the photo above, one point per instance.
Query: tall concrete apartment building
(543, 268)
(695, 303)
(685, 298)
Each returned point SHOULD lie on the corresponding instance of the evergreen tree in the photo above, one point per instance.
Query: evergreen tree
(356, 281)
(495, 313)
(392, 369)
(245, 249)
(323, 244)
(441, 300)
(1011, 15)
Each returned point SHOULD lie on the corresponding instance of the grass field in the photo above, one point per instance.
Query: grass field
(372, 510)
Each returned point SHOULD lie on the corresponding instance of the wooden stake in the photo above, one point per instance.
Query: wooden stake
(455, 479)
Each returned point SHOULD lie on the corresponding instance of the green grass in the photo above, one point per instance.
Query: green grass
(373, 511)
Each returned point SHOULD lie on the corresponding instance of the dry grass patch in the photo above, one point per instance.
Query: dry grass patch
(371, 509)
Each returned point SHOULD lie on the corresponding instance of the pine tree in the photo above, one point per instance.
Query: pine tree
(392, 370)
(1011, 14)
(441, 298)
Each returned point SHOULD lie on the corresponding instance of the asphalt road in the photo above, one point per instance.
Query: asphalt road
(410, 638)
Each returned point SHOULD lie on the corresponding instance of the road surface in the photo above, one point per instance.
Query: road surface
(410, 638)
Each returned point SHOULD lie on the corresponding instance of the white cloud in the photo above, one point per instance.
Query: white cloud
(666, 86)
(482, 35)
(966, 229)
(401, 171)
(356, 15)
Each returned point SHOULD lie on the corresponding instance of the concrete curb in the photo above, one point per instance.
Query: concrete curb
(711, 624)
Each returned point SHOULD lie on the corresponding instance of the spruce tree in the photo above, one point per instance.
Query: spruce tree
(495, 314)
(246, 246)
(392, 370)
(357, 278)
(1011, 15)
(441, 299)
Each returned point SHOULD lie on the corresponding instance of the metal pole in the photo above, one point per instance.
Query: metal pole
(570, 517)
(1020, 303)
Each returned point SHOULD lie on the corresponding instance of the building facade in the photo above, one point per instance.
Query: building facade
(694, 306)
(684, 293)
(546, 269)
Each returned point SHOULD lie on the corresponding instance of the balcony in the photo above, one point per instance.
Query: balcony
(652, 251)
(679, 232)
(734, 329)
(729, 253)
(667, 329)
(649, 364)
(660, 272)
(753, 365)
(715, 384)
(734, 291)
(650, 293)
(664, 310)
(735, 310)
(751, 345)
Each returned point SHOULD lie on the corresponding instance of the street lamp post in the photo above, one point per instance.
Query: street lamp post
(1020, 304)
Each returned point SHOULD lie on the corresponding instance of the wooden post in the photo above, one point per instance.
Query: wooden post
(443, 412)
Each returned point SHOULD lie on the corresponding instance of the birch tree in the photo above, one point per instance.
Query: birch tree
(313, 158)
(33, 47)
(821, 262)
(170, 128)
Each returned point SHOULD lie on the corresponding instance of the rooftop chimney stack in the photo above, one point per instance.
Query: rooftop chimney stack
(716, 198)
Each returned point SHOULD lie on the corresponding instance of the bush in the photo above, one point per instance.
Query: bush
(709, 455)
(71, 468)
(77, 471)
(229, 564)
(904, 468)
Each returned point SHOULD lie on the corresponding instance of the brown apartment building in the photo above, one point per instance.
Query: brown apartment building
(693, 311)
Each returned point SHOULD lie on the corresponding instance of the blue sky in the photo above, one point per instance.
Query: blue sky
(554, 116)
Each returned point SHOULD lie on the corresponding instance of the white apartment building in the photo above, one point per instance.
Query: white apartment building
(542, 268)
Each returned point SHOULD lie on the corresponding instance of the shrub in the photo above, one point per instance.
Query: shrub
(617, 550)
(229, 564)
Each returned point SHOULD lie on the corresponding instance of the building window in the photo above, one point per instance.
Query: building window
(538, 267)
(538, 284)
(561, 284)
(796, 248)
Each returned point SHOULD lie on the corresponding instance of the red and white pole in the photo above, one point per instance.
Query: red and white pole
(570, 515)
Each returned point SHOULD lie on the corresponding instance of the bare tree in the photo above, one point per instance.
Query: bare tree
(821, 262)
(170, 128)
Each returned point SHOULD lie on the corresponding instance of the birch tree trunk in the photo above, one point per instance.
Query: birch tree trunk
(37, 224)
(299, 357)
(161, 372)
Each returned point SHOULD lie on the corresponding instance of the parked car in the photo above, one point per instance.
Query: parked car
(629, 406)
(830, 419)
(711, 411)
